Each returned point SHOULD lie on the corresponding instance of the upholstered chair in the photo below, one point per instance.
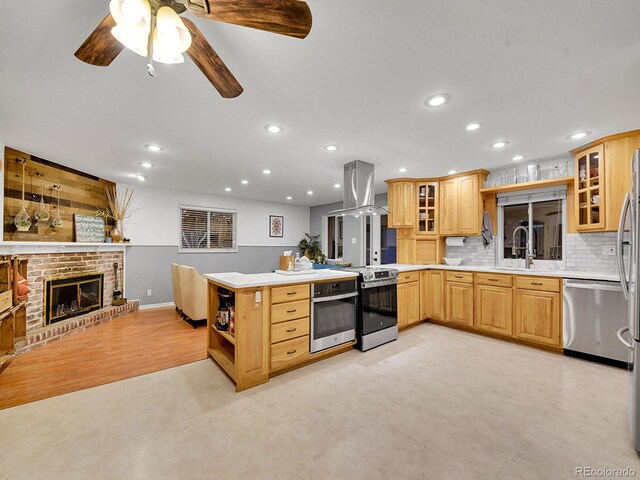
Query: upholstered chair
(194, 294)
(177, 291)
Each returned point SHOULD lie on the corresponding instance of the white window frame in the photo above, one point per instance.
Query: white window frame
(210, 210)
(532, 196)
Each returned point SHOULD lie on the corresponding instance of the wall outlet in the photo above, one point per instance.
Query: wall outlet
(354, 240)
(608, 250)
(149, 293)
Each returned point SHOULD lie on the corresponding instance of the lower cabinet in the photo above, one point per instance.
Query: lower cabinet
(408, 303)
(459, 303)
(537, 317)
(432, 295)
(494, 309)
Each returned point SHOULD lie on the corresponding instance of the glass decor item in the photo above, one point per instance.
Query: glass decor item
(42, 214)
(22, 220)
(57, 220)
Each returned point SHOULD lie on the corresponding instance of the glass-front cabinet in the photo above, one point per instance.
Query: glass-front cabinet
(427, 223)
(590, 189)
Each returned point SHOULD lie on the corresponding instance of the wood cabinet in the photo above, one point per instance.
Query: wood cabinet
(602, 178)
(408, 303)
(427, 208)
(432, 295)
(402, 205)
(460, 209)
(459, 303)
(537, 317)
(494, 309)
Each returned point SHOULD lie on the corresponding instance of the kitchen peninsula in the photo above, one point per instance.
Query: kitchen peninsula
(272, 315)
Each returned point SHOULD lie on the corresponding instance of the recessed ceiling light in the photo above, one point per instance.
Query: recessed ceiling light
(402, 169)
(473, 126)
(500, 144)
(517, 158)
(452, 172)
(331, 148)
(289, 198)
(578, 135)
(337, 185)
(310, 192)
(244, 182)
(140, 178)
(273, 128)
(154, 148)
(437, 100)
(146, 165)
(266, 171)
(227, 189)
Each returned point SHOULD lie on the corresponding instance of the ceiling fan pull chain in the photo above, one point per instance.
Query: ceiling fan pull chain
(150, 68)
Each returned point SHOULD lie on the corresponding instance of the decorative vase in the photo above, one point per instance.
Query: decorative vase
(57, 221)
(22, 220)
(116, 232)
(42, 214)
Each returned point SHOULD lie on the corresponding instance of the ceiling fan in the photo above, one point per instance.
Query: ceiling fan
(154, 29)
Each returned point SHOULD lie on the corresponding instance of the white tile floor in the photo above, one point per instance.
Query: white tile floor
(437, 404)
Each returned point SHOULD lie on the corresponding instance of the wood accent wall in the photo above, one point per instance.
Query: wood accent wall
(80, 193)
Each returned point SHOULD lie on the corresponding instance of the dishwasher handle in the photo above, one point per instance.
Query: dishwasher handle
(620, 334)
(612, 287)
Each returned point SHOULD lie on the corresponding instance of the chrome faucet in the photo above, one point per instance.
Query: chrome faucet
(528, 261)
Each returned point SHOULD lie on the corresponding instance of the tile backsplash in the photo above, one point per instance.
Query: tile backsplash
(583, 251)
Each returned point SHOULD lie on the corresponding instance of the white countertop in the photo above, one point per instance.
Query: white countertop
(579, 274)
(235, 280)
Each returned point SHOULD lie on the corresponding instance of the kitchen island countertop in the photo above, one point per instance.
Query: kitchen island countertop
(236, 280)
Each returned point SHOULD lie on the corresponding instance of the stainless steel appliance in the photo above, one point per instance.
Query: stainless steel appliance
(359, 191)
(629, 335)
(593, 311)
(377, 306)
(333, 314)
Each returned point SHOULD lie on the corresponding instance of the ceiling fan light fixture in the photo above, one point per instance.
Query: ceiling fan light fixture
(170, 38)
(133, 23)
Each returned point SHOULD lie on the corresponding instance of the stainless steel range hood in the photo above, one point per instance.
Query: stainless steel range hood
(359, 191)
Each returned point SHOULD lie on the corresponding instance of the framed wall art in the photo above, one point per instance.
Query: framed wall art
(276, 226)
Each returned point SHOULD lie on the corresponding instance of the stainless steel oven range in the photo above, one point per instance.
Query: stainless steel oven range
(377, 306)
(333, 314)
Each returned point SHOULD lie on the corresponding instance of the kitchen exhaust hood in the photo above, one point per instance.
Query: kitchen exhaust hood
(359, 191)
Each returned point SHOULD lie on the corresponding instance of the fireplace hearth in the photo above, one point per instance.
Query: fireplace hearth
(71, 296)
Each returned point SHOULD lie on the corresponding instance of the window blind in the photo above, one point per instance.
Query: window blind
(208, 229)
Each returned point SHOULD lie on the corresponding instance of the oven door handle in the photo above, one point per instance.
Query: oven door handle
(366, 286)
(336, 297)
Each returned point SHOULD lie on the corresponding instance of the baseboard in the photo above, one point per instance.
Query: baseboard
(156, 305)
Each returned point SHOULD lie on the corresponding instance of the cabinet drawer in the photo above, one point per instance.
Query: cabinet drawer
(464, 277)
(289, 311)
(289, 353)
(538, 283)
(406, 277)
(290, 293)
(492, 279)
(287, 330)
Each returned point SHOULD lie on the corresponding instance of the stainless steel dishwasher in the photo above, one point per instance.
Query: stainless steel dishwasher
(593, 312)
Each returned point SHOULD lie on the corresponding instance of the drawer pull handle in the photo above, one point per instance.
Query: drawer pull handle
(292, 311)
(537, 283)
(291, 293)
(459, 276)
(492, 279)
(291, 352)
(291, 330)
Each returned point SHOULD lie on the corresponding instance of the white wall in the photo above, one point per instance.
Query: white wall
(155, 217)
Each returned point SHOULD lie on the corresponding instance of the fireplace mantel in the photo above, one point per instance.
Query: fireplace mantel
(25, 248)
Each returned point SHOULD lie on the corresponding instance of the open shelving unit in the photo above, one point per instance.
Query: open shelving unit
(13, 319)
(553, 182)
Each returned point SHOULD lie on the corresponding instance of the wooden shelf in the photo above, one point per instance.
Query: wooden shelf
(226, 359)
(527, 185)
(224, 335)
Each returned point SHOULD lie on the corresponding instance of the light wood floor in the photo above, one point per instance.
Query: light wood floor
(128, 346)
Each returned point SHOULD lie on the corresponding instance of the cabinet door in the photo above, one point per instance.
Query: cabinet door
(537, 317)
(424, 294)
(396, 204)
(449, 207)
(409, 199)
(494, 307)
(435, 295)
(402, 305)
(468, 205)
(459, 302)
(413, 302)
(427, 208)
(590, 190)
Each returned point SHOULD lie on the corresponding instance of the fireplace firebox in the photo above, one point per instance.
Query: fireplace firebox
(72, 296)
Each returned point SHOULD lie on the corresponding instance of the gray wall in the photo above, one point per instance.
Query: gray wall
(149, 267)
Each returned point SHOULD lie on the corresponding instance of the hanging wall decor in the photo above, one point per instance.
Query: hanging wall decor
(42, 214)
(57, 220)
(22, 220)
(276, 226)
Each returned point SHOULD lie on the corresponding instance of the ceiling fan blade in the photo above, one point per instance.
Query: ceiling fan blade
(210, 64)
(100, 48)
(284, 17)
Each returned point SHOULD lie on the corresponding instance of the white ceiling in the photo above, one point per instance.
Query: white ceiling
(530, 72)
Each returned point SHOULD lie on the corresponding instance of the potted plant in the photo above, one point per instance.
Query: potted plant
(117, 209)
(310, 247)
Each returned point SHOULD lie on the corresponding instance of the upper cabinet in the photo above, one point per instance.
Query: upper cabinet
(402, 205)
(460, 205)
(427, 203)
(602, 178)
